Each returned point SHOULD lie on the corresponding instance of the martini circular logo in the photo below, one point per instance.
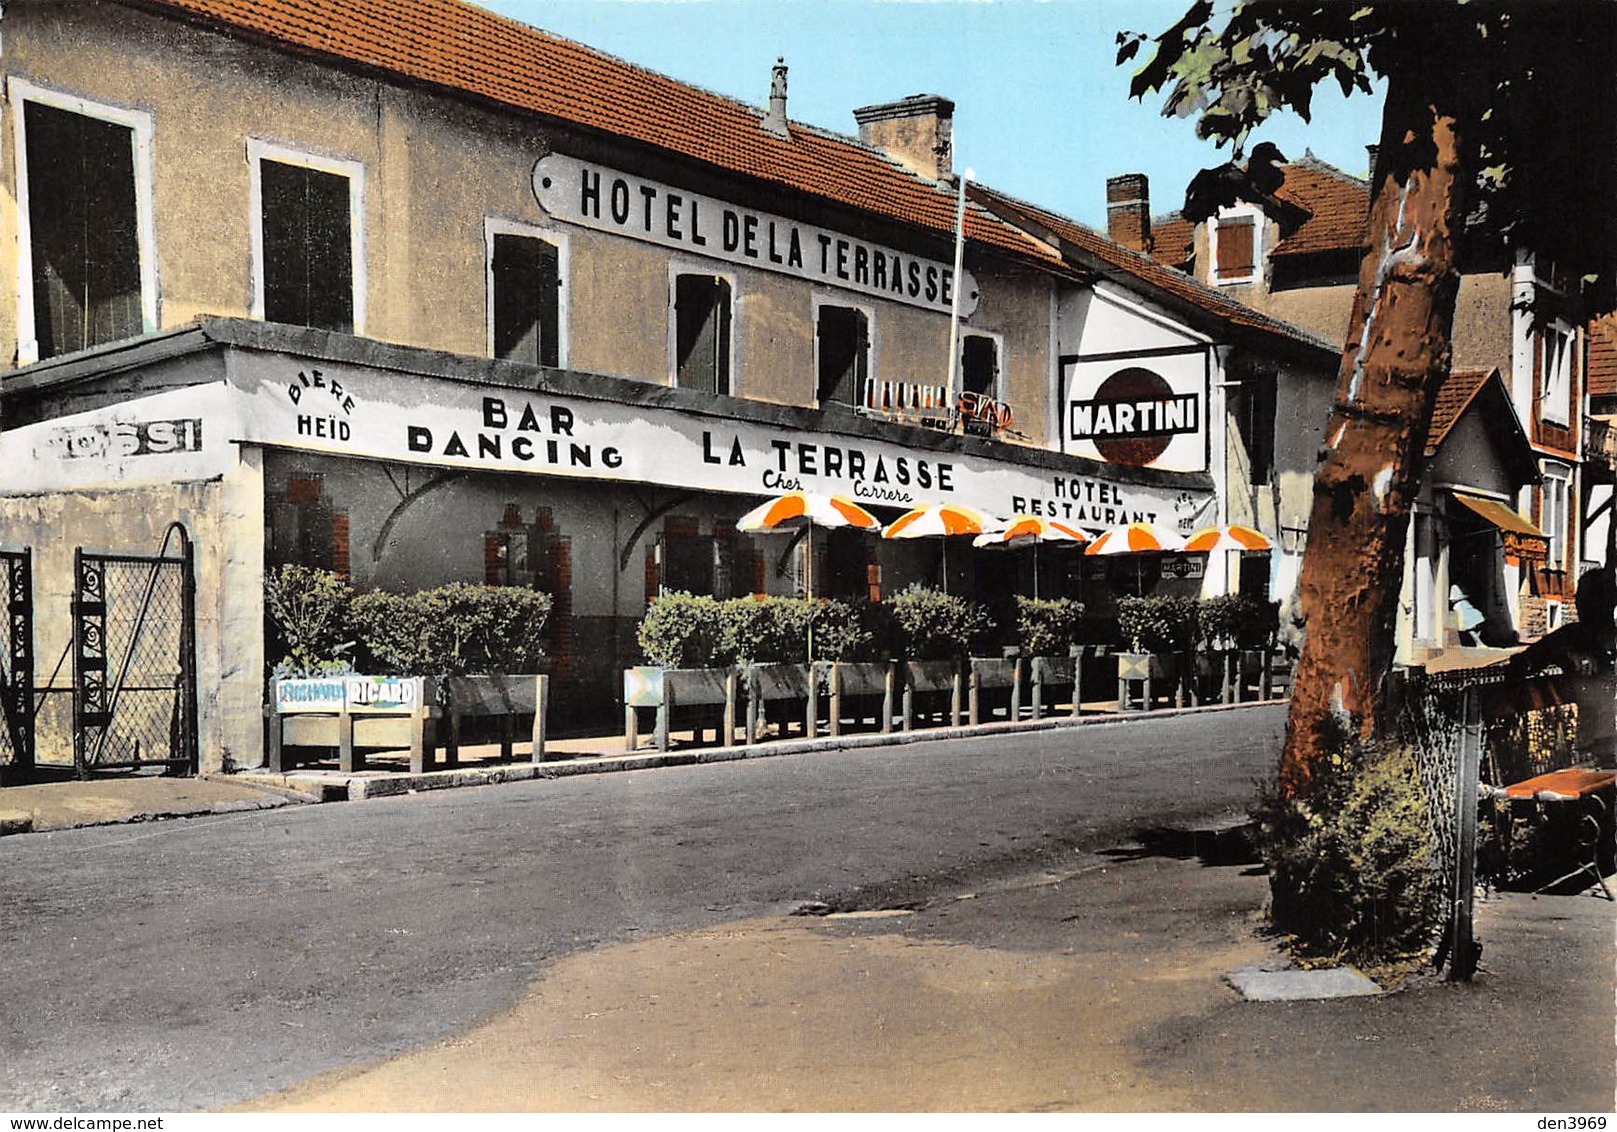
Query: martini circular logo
(1133, 417)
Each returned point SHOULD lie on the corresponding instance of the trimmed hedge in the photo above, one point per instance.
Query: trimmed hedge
(320, 625)
(1048, 627)
(932, 625)
(1158, 624)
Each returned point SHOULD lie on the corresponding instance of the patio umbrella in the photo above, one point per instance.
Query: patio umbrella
(1135, 538)
(939, 520)
(1214, 540)
(1031, 530)
(797, 510)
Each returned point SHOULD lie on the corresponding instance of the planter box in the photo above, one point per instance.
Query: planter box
(934, 676)
(648, 686)
(353, 713)
(989, 674)
(1046, 673)
(873, 678)
(499, 696)
(766, 683)
(1150, 673)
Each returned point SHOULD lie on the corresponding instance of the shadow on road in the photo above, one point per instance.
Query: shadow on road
(1224, 847)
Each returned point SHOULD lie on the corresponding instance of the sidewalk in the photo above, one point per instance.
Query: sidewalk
(131, 798)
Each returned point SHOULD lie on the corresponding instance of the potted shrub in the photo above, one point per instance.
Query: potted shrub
(683, 635)
(1158, 632)
(934, 631)
(1048, 632)
(768, 637)
(856, 639)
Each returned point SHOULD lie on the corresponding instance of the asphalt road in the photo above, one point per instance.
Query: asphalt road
(197, 963)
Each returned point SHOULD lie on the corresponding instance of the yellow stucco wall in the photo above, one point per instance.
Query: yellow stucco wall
(435, 169)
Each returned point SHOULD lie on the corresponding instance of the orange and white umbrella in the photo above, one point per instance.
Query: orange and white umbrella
(1024, 530)
(1214, 540)
(935, 520)
(807, 509)
(1135, 538)
(939, 520)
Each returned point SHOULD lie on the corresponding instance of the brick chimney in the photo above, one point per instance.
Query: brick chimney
(917, 132)
(775, 120)
(1128, 211)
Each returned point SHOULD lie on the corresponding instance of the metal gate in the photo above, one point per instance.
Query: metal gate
(134, 659)
(16, 664)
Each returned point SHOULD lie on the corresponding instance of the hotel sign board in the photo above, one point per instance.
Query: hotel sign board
(1147, 412)
(607, 200)
(356, 411)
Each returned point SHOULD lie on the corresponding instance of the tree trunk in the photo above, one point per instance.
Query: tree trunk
(1369, 471)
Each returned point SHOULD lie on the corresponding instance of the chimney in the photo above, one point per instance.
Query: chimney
(917, 132)
(1128, 211)
(1375, 152)
(775, 120)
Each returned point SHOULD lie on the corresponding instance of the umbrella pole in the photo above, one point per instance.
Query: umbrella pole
(808, 586)
(945, 565)
(1035, 569)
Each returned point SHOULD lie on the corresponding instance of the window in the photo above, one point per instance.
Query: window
(1553, 514)
(307, 257)
(702, 333)
(1235, 248)
(979, 365)
(305, 529)
(1555, 394)
(85, 262)
(525, 299)
(1255, 419)
(842, 335)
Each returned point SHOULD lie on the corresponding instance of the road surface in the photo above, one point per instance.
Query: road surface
(192, 964)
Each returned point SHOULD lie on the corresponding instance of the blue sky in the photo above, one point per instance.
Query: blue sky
(1041, 110)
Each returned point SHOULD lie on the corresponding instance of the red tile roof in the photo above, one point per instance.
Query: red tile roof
(1337, 205)
(1173, 239)
(467, 49)
(1603, 357)
(1459, 389)
(1102, 254)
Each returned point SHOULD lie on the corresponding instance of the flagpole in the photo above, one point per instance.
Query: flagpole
(954, 307)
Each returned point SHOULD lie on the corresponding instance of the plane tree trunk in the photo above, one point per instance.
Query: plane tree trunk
(1396, 356)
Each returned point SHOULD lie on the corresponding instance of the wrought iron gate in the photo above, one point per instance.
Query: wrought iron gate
(134, 659)
(16, 663)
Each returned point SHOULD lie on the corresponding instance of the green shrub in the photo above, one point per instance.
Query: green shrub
(764, 630)
(1351, 869)
(1238, 621)
(850, 631)
(682, 630)
(931, 625)
(452, 630)
(1158, 624)
(1048, 627)
(308, 616)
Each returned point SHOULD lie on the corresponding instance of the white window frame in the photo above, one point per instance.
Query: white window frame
(998, 392)
(500, 226)
(1558, 354)
(1556, 529)
(139, 123)
(678, 267)
(260, 150)
(870, 344)
(1236, 212)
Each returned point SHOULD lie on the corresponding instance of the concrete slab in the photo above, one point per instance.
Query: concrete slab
(1291, 984)
(130, 798)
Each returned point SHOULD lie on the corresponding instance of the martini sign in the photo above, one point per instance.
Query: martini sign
(1142, 414)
